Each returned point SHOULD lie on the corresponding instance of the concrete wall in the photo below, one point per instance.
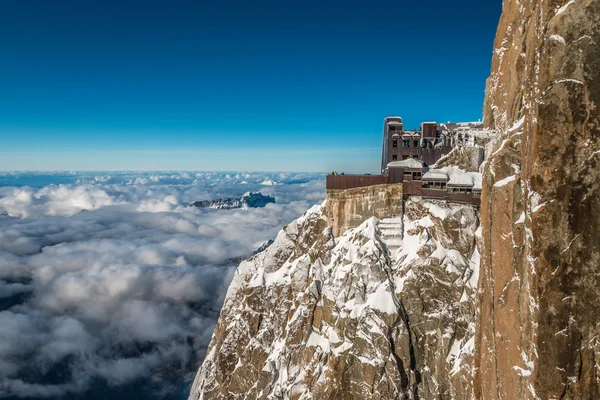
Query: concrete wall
(347, 209)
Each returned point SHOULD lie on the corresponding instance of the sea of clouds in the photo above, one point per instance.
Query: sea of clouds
(110, 285)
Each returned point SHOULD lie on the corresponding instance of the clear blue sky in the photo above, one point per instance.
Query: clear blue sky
(231, 85)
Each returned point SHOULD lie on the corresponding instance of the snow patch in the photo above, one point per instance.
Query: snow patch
(505, 181)
(564, 8)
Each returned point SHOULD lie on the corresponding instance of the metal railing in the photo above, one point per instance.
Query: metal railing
(409, 188)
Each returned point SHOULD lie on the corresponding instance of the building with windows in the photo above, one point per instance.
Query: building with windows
(408, 156)
(428, 144)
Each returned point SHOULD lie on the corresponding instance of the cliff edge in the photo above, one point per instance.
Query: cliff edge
(538, 327)
(384, 311)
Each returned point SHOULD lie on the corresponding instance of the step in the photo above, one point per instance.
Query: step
(391, 231)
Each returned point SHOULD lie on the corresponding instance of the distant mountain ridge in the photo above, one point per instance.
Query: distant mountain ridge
(248, 200)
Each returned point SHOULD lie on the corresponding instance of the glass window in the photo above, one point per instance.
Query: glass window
(395, 143)
(416, 143)
(394, 157)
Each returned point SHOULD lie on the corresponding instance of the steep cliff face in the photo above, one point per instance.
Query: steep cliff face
(538, 320)
(351, 207)
(384, 311)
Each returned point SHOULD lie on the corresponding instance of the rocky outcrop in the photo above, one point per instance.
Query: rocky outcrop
(538, 332)
(351, 207)
(467, 158)
(248, 200)
(384, 311)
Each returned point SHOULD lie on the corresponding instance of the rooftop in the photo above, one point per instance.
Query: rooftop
(455, 177)
(435, 174)
(409, 163)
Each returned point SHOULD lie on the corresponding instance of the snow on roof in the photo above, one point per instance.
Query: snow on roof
(408, 163)
(458, 177)
(477, 179)
(435, 174)
(461, 179)
(394, 122)
(455, 177)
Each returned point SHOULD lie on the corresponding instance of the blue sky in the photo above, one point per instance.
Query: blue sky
(231, 85)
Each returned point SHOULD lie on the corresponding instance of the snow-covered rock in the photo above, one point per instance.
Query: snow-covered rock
(248, 200)
(384, 311)
(269, 182)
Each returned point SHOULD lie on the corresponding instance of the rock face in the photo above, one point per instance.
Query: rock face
(349, 208)
(248, 200)
(466, 158)
(538, 331)
(385, 311)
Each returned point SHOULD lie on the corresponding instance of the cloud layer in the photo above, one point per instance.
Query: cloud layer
(112, 279)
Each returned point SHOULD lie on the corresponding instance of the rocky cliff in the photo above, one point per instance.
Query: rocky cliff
(538, 325)
(349, 208)
(384, 311)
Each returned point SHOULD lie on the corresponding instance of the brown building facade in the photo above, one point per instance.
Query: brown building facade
(427, 144)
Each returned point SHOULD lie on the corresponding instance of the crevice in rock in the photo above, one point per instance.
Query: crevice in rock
(390, 335)
(403, 317)
(260, 319)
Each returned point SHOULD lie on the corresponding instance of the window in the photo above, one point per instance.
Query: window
(395, 143)
(392, 128)
(429, 145)
(416, 157)
(416, 143)
(394, 157)
(406, 143)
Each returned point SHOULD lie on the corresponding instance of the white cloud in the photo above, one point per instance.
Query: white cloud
(130, 288)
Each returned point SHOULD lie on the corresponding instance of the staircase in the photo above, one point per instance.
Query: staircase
(391, 230)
